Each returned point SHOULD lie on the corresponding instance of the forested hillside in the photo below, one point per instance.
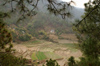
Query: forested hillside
(40, 26)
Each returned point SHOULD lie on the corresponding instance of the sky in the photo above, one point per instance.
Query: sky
(79, 3)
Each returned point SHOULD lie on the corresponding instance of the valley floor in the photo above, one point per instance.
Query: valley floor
(60, 51)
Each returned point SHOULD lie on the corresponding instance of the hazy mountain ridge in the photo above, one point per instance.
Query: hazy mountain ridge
(75, 11)
(42, 7)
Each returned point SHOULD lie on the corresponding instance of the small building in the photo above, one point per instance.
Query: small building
(52, 31)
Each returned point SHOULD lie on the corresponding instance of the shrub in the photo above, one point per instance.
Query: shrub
(87, 62)
(51, 63)
(14, 35)
(71, 61)
(25, 37)
(42, 32)
(7, 59)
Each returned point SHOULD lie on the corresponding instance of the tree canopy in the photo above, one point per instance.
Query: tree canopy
(28, 7)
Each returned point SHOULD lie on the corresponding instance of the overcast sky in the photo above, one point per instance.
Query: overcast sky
(79, 3)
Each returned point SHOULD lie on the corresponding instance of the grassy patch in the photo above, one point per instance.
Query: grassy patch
(44, 55)
(72, 46)
(52, 55)
(40, 55)
(31, 43)
(36, 41)
(34, 56)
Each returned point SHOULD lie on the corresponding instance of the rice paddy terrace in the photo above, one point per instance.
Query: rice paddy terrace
(40, 50)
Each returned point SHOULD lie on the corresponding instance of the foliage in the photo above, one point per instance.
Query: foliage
(25, 37)
(88, 34)
(90, 48)
(14, 35)
(87, 62)
(51, 63)
(53, 6)
(7, 59)
(42, 32)
(90, 23)
(40, 56)
(41, 22)
(5, 35)
(71, 61)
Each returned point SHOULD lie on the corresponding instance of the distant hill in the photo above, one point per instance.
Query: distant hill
(76, 12)
(41, 26)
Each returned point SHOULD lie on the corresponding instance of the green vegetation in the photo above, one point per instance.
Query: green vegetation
(51, 63)
(71, 61)
(5, 35)
(88, 34)
(7, 59)
(39, 28)
(88, 31)
(72, 46)
(36, 41)
(44, 55)
(52, 55)
(34, 56)
(40, 55)
(25, 37)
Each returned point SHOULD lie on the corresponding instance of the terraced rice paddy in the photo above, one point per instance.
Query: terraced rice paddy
(52, 55)
(40, 50)
(34, 56)
(40, 55)
(44, 55)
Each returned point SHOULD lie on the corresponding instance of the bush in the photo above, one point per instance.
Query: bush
(46, 37)
(7, 59)
(87, 62)
(14, 35)
(42, 32)
(71, 61)
(51, 63)
(25, 37)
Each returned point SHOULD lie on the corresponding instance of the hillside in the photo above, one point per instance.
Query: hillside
(41, 26)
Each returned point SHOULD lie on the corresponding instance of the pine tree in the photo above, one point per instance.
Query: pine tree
(5, 35)
(89, 33)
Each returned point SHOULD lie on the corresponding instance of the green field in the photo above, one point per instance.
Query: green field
(34, 56)
(52, 55)
(40, 55)
(44, 55)
(71, 46)
(36, 41)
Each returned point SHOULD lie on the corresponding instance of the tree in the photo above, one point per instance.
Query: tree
(28, 7)
(5, 35)
(7, 59)
(51, 63)
(71, 61)
(88, 32)
(89, 26)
